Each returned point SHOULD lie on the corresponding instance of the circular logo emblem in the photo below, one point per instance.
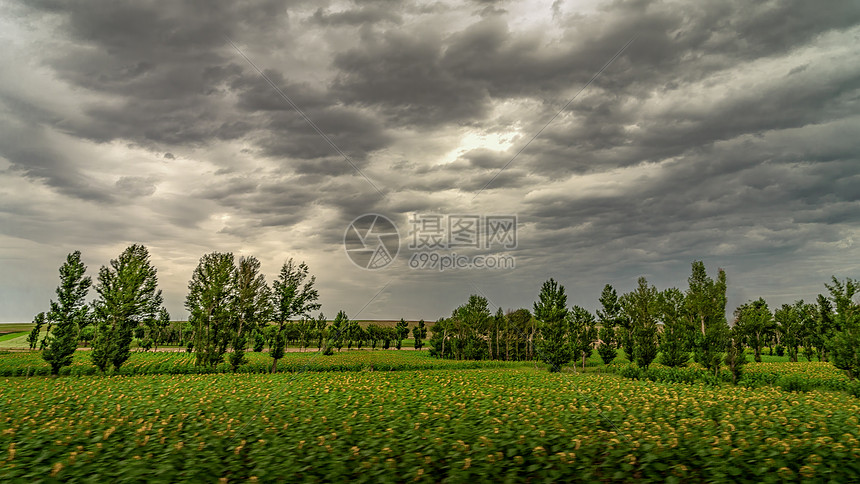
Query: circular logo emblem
(371, 241)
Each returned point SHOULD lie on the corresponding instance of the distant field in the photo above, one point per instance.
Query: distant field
(6, 328)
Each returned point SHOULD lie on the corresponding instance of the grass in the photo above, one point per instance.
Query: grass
(9, 336)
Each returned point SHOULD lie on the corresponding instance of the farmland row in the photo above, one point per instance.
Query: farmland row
(487, 424)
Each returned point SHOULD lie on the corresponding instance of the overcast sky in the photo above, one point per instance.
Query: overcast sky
(726, 132)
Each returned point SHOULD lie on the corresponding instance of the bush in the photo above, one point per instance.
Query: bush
(793, 383)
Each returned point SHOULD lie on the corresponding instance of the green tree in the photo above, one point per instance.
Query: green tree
(419, 332)
(401, 332)
(755, 321)
(845, 343)
(210, 302)
(792, 322)
(516, 331)
(374, 334)
(675, 339)
(293, 296)
(582, 331)
(469, 323)
(128, 298)
(610, 316)
(319, 330)
(338, 331)
(69, 312)
(705, 309)
(159, 326)
(735, 357)
(251, 306)
(441, 329)
(642, 307)
(499, 324)
(551, 311)
(33, 337)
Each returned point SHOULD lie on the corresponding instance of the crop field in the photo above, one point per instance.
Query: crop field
(30, 363)
(447, 422)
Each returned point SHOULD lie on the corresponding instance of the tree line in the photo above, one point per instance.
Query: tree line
(230, 305)
(646, 324)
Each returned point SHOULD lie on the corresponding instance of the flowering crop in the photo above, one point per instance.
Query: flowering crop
(31, 363)
(455, 425)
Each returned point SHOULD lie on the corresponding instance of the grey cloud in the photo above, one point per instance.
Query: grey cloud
(136, 186)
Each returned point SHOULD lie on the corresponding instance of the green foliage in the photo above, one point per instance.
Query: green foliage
(129, 299)
(735, 358)
(642, 306)
(676, 337)
(401, 332)
(68, 313)
(259, 342)
(337, 332)
(419, 332)
(211, 294)
(845, 343)
(252, 299)
(33, 337)
(755, 321)
(551, 312)
(582, 331)
(793, 322)
(610, 317)
(293, 295)
(705, 310)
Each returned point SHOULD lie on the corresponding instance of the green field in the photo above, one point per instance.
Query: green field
(333, 419)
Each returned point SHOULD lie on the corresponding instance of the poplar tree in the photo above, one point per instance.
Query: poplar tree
(293, 295)
(128, 298)
(550, 311)
(68, 313)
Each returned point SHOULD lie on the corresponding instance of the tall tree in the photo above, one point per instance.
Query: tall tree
(498, 327)
(792, 322)
(252, 306)
(419, 332)
(675, 340)
(69, 312)
(337, 332)
(755, 321)
(642, 307)
(469, 324)
(401, 331)
(845, 344)
(705, 309)
(551, 311)
(735, 357)
(610, 316)
(33, 337)
(517, 328)
(582, 331)
(825, 327)
(210, 302)
(128, 298)
(293, 296)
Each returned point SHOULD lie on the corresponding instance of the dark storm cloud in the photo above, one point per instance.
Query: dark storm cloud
(725, 131)
(402, 72)
(368, 14)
